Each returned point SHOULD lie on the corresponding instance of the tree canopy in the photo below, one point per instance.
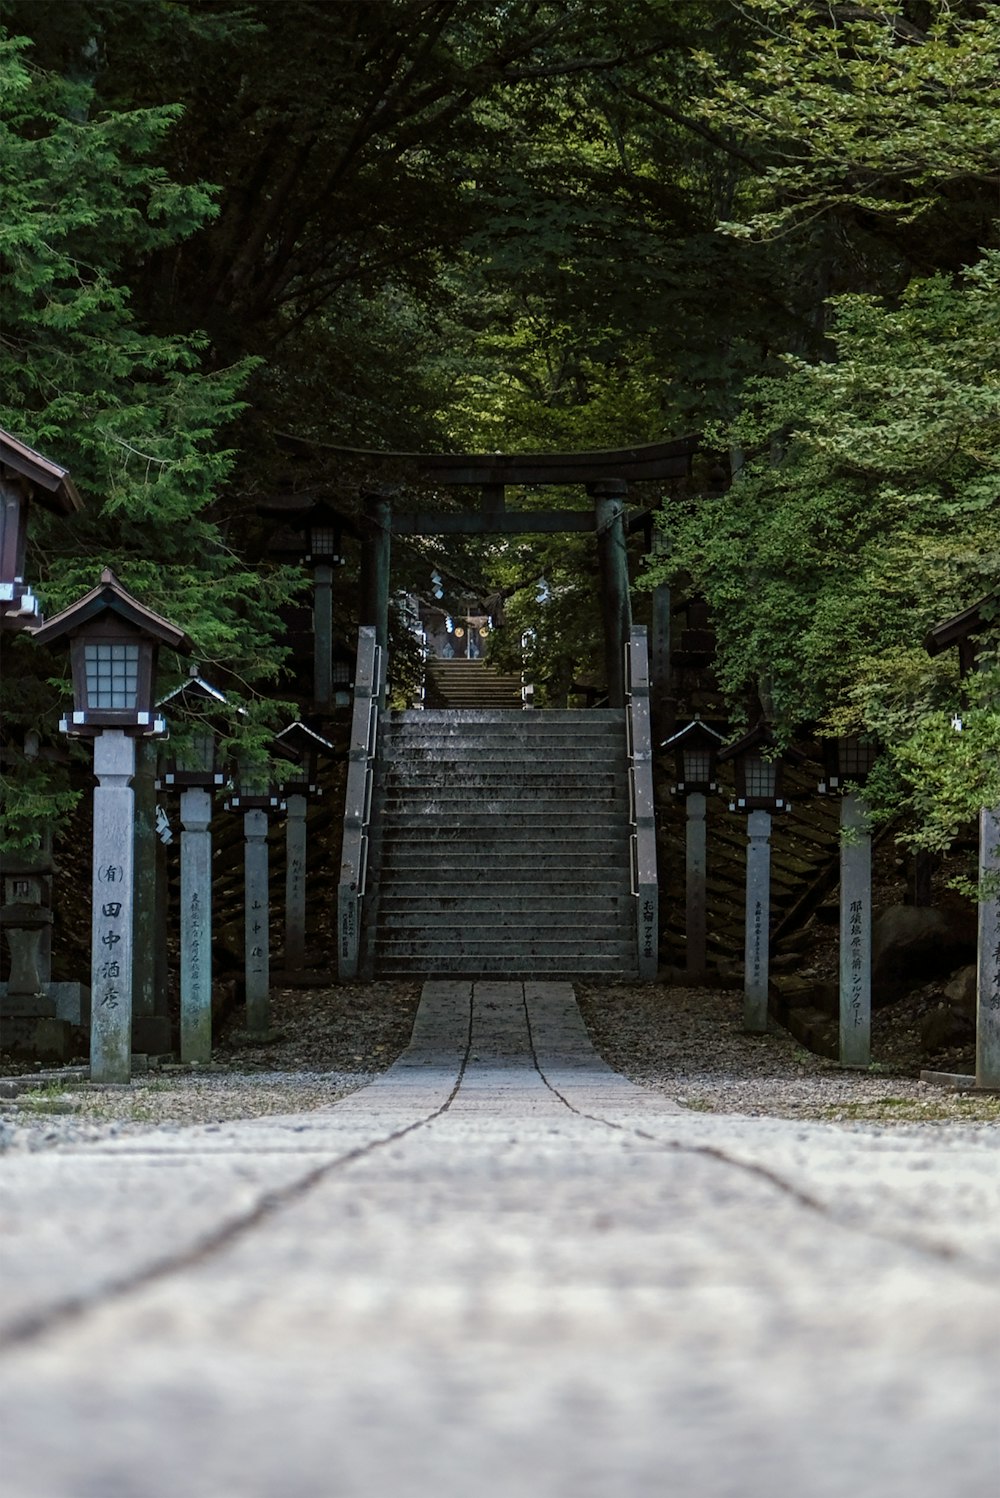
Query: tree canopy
(538, 224)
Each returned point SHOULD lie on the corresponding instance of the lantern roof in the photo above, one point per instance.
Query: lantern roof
(194, 691)
(694, 733)
(300, 740)
(302, 509)
(109, 597)
(52, 486)
(761, 737)
(974, 620)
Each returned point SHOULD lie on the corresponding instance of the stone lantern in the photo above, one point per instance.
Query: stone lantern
(113, 641)
(758, 767)
(195, 770)
(26, 478)
(297, 785)
(695, 749)
(321, 528)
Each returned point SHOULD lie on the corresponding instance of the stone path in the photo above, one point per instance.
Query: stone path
(502, 1269)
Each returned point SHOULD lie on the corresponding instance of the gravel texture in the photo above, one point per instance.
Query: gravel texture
(686, 1043)
(689, 1043)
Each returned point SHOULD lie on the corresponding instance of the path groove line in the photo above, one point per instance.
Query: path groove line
(941, 1252)
(19, 1332)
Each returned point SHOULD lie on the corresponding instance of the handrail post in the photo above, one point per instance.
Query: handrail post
(643, 838)
(369, 682)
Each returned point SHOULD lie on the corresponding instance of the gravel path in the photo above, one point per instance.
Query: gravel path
(686, 1044)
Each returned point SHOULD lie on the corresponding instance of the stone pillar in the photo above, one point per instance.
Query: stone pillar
(295, 883)
(257, 921)
(988, 987)
(150, 1021)
(758, 922)
(323, 636)
(112, 909)
(196, 925)
(696, 874)
(612, 558)
(855, 933)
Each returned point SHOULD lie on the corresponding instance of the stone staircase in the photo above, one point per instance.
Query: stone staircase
(470, 684)
(500, 846)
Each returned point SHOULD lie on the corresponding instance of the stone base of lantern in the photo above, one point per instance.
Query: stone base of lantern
(37, 1037)
(69, 1001)
(957, 1082)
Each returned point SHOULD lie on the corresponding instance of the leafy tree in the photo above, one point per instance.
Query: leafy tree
(868, 514)
(134, 414)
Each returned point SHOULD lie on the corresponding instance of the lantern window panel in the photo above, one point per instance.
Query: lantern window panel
(698, 765)
(112, 673)
(760, 777)
(198, 753)
(855, 755)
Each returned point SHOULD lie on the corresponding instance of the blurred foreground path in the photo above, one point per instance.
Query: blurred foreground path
(502, 1269)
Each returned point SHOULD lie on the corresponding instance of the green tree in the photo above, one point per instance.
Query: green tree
(134, 414)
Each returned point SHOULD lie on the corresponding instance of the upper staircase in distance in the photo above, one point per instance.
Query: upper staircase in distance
(466, 685)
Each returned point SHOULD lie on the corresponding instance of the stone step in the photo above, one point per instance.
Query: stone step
(606, 967)
(575, 943)
(526, 922)
(484, 736)
(452, 801)
(477, 817)
(504, 899)
(544, 717)
(557, 773)
(513, 850)
(613, 884)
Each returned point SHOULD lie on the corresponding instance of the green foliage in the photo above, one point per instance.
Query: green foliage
(134, 415)
(868, 515)
(858, 111)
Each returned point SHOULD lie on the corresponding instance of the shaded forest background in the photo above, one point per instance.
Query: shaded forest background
(448, 224)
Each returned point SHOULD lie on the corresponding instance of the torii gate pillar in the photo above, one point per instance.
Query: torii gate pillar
(612, 557)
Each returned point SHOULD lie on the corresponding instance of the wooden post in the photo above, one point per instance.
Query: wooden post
(323, 636)
(758, 922)
(696, 874)
(113, 888)
(612, 557)
(295, 883)
(376, 549)
(855, 933)
(988, 986)
(196, 925)
(257, 950)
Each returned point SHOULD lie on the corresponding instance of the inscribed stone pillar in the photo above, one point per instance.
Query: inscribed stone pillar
(257, 920)
(696, 873)
(758, 922)
(612, 557)
(112, 917)
(295, 883)
(855, 933)
(196, 925)
(323, 636)
(988, 988)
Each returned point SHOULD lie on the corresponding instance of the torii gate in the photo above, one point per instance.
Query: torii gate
(605, 475)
